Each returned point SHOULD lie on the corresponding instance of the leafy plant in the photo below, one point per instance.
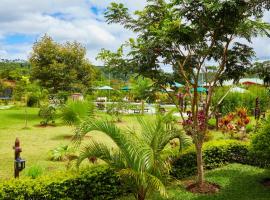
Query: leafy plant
(260, 142)
(74, 111)
(48, 114)
(235, 122)
(116, 110)
(139, 159)
(60, 153)
(34, 171)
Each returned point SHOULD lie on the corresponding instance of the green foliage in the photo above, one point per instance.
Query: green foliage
(236, 100)
(34, 171)
(14, 70)
(260, 144)
(48, 114)
(60, 153)
(250, 128)
(116, 110)
(211, 123)
(95, 183)
(141, 88)
(61, 67)
(140, 158)
(75, 111)
(215, 154)
(32, 101)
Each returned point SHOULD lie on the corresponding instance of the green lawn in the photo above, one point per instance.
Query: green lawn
(238, 182)
(37, 141)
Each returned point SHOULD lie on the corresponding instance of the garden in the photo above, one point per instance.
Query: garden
(131, 130)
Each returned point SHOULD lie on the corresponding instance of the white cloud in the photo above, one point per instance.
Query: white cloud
(63, 20)
(73, 20)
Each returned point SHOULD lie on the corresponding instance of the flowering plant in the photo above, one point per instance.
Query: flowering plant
(234, 121)
(188, 123)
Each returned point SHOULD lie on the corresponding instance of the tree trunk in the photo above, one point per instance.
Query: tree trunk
(142, 111)
(200, 163)
(141, 194)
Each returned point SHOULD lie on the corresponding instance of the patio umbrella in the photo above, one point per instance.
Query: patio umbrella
(200, 89)
(126, 88)
(178, 85)
(104, 88)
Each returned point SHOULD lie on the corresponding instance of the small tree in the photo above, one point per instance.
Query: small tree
(61, 67)
(185, 34)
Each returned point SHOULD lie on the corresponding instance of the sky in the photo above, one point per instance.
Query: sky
(23, 22)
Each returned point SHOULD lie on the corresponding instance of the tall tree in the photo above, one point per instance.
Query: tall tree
(61, 67)
(185, 34)
(262, 70)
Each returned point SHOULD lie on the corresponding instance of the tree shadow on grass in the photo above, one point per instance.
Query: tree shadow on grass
(21, 116)
(62, 137)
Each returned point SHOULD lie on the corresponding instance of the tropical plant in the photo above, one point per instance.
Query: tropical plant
(139, 158)
(60, 153)
(74, 111)
(235, 122)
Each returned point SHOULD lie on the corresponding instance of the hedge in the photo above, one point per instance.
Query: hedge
(96, 183)
(102, 182)
(215, 154)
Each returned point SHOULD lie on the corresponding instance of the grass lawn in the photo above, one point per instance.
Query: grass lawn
(238, 182)
(36, 141)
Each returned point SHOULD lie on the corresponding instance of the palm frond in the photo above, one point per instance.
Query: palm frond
(95, 150)
(154, 183)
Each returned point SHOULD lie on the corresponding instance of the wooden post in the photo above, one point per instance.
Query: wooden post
(17, 151)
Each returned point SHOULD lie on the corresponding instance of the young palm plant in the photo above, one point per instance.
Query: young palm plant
(140, 158)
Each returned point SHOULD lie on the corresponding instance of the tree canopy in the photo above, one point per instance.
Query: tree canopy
(186, 34)
(61, 67)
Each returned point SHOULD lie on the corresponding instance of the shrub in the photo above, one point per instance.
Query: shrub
(260, 144)
(215, 154)
(249, 128)
(212, 123)
(60, 153)
(74, 111)
(48, 114)
(95, 183)
(34, 171)
(32, 101)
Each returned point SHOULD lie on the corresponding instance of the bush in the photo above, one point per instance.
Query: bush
(212, 123)
(32, 101)
(215, 154)
(48, 114)
(247, 100)
(249, 128)
(34, 171)
(74, 111)
(95, 183)
(60, 153)
(260, 144)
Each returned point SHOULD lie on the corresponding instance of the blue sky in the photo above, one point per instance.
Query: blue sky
(23, 22)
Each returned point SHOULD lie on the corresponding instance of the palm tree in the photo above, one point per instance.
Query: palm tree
(140, 158)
